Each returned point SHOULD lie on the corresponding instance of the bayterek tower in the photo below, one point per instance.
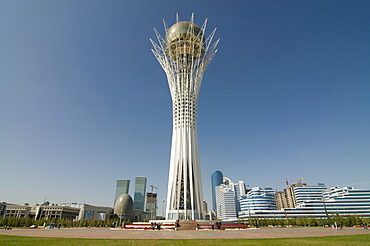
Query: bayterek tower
(184, 54)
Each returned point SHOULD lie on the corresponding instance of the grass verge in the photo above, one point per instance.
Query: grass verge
(351, 240)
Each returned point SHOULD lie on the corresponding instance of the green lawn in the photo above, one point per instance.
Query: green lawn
(363, 239)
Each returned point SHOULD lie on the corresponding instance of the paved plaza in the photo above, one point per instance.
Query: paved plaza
(106, 233)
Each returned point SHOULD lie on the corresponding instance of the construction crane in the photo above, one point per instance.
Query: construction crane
(153, 187)
(287, 181)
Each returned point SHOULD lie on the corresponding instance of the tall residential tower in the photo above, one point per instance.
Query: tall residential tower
(184, 54)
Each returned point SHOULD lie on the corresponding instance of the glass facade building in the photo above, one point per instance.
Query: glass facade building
(308, 193)
(216, 180)
(122, 187)
(342, 201)
(140, 193)
(258, 199)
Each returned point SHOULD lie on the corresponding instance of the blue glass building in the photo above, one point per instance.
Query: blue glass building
(140, 193)
(122, 187)
(216, 180)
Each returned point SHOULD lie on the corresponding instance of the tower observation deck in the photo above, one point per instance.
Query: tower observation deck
(184, 54)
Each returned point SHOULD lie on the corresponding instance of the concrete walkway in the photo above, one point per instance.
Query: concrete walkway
(107, 233)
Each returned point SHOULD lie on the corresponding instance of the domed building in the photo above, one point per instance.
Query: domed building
(124, 207)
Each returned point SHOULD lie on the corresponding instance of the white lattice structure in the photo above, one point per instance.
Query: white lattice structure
(184, 54)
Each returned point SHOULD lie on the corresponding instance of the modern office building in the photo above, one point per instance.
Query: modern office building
(347, 200)
(90, 211)
(58, 212)
(18, 210)
(342, 201)
(51, 211)
(307, 193)
(2, 208)
(258, 199)
(228, 196)
(239, 189)
(140, 193)
(184, 54)
(216, 180)
(297, 193)
(225, 200)
(122, 187)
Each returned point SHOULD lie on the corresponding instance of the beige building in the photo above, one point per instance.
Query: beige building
(56, 212)
(69, 211)
(18, 211)
(281, 200)
(287, 198)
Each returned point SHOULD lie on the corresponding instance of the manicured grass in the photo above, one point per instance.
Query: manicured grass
(351, 240)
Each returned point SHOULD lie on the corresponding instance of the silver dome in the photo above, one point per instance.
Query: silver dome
(124, 205)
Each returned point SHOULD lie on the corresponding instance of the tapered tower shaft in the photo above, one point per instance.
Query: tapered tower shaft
(184, 54)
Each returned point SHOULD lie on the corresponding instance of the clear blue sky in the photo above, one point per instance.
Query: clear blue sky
(83, 101)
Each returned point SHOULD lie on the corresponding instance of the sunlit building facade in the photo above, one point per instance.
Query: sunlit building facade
(225, 200)
(334, 201)
(216, 180)
(258, 199)
(122, 187)
(140, 193)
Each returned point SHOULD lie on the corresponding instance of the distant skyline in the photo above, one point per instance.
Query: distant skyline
(83, 101)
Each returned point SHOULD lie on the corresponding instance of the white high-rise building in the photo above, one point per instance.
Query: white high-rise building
(239, 189)
(226, 202)
(184, 54)
(228, 196)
